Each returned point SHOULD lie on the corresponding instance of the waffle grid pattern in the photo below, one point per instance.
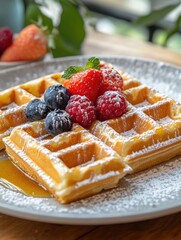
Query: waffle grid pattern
(14, 100)
(151, 125)
(71, 165)
(81, 163)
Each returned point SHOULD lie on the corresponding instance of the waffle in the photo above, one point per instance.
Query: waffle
(149, 133)
(82, 162)
(71, 166)
(14, 100)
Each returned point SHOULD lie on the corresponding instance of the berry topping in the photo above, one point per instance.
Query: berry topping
(92, 63)
(112, 80)
(86, 83)
(81, 110)
(56, 97)
(36, 110)
(104, 65)
(6, 38)
(58, 122)
(111, 104)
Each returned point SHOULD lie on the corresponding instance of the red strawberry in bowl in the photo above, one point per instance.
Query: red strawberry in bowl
(30, 45)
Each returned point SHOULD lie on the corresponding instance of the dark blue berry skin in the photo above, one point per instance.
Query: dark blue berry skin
(56, 97)
(58, 122)
(36, 110)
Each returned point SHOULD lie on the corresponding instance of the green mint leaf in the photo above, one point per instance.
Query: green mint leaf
(70, 71)
(93, 62)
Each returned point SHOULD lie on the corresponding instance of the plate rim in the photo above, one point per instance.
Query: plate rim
(87, 219)
(70, 58)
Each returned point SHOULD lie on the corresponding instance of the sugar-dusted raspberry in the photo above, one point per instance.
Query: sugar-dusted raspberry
(81, 110)
(111, 104)
(112, 80)
(103, 65)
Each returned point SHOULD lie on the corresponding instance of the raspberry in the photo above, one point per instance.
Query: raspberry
(104, 65)
(81, 110)
(36, 110)
(58, 122)
(6, 38)
(111, 104)
(86, 83)
(112, 80)
(56, 97)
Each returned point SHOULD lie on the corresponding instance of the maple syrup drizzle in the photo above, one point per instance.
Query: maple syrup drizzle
(13, 179)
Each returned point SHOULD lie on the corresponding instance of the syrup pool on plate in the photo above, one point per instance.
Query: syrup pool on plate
(12, 178)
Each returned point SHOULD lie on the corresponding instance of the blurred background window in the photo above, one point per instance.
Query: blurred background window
(146, 20)
(118, 17)
(12, 14)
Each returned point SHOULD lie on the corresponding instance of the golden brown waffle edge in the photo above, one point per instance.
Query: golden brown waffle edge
(148, 134)
(72, 165)
(14, 100)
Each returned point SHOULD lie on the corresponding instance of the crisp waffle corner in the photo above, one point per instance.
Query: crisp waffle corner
(14, 100)
(82, 162)
(147, 134)
(72, 165)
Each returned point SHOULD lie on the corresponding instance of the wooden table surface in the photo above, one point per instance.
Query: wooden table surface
(166, 228)
(118, 45)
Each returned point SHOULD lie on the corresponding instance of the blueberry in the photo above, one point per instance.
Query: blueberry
(36, 110)
(56, 97)
(57, 122)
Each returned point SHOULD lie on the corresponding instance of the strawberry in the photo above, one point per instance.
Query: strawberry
(30, 45)
(86, 83)
(112, 80)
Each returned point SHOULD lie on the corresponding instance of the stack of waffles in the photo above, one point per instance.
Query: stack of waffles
(82, 162)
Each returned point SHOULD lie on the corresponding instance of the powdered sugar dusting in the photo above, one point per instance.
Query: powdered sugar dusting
(165, 78)
(142, 104)
(155, 146)
(129, 133)
(9, 106)
(164, 121)
(150, 190)
(144, 191)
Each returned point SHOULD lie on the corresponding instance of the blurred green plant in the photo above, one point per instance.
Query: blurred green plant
(63, 22)
(158, 15)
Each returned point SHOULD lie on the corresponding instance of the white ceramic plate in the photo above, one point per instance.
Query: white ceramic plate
(148, 194)
(6, 65)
